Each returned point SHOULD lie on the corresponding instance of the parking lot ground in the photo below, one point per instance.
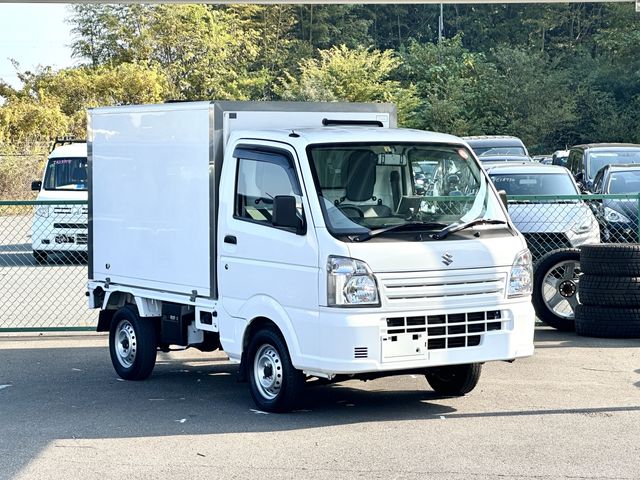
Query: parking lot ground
(571, 411)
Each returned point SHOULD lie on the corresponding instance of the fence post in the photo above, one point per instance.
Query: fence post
(638, 218)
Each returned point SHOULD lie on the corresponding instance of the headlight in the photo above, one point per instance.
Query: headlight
(42, 210)
(350, 282)
(584, 225)
(521, 277)
(610, 215)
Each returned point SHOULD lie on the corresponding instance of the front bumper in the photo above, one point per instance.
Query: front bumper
(59, 234)
(344, 343)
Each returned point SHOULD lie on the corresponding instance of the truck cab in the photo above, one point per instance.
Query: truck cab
(305, 251)
(59, 223)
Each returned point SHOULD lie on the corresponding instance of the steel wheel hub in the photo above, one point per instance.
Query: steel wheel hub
(126, 343)
(267, 372)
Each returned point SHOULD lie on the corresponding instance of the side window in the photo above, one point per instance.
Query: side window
(573, 163)
(262, 176)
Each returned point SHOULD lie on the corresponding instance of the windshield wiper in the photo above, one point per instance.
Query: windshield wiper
(395, 228)
(456, 227)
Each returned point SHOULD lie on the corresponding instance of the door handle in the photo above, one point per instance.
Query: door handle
(231, 239)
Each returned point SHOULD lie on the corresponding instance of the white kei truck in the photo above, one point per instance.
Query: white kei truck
(61, 228)
(290, 236)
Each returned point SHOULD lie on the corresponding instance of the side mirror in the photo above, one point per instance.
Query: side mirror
(503, 198)
(285, 213)
(36, 185)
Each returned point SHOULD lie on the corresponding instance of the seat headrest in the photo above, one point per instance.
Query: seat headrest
(361, 175)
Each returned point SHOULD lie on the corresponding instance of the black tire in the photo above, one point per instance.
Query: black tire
(606, 322)
(40, 257)
(268, 358)
(548, 267)
(454, 380)
(610, 291)
(612, 259)
(130, 333)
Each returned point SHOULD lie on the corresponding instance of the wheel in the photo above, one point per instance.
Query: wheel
(133, 344)
(454, 380)
(555, 288)
(607, 322)
(40, 257)
(610, 291)
(612, 259)
(275, 385)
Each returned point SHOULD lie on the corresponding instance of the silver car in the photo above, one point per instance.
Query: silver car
(547, 224)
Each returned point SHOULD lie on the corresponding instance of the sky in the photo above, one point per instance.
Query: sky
(33, 34)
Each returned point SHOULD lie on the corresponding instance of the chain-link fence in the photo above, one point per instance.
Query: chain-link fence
(43, 247)
(43, 266)
(563, 221)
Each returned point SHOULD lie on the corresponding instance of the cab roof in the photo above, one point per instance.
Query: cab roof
(328, 135)
(70, 150)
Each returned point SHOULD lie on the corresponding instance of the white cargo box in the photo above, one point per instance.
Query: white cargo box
(153, 174)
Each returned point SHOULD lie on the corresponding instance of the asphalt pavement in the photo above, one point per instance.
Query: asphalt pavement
(570, 411)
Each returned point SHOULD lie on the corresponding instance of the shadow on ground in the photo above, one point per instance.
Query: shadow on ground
(62, 393)
(547, 337)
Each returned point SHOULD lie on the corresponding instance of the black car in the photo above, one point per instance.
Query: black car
(585, 160)
(618, 218)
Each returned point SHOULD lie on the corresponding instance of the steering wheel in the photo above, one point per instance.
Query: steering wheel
(349, 211)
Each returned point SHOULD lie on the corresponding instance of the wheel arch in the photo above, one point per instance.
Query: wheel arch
(265, 312)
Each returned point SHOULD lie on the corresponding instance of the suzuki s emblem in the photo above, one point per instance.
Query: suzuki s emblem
(447, 259)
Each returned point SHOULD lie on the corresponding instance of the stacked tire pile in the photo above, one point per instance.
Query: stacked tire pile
(609, 291)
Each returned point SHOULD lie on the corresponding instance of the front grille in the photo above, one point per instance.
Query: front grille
(70, 225)
(443, 331)
(541, 243)
(400, 289)
(82, 238)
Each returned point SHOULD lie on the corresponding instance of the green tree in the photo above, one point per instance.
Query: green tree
(343, 74)
(448, 79)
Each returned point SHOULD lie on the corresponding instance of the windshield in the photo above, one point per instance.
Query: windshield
(597, 160)
(367, 187)
(505, 150)
(624, 182)
(66, 174)
(534, 183)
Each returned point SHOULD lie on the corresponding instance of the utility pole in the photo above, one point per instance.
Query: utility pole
(441, 25)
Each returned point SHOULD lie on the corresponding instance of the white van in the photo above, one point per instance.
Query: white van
(290, 235)
(59, 222)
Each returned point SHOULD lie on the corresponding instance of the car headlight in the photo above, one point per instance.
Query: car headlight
(584, 225)
(42, 210)
(610, 215)
(521, 277)
(350, 282)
